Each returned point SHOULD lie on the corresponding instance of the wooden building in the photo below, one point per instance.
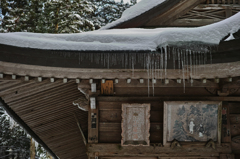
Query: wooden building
(115, 104)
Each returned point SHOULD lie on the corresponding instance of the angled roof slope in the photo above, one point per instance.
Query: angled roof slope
(48, 111)
(164, 10)
(175, 13)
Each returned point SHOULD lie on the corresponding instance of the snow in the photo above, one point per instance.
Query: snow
(124, 39)
(231, 37)
(134, 11)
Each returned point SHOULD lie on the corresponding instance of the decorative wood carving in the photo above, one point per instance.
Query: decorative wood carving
(236, 144)
(175, 144)
(210, 143)
(156, 145)
(84, 91)
(82, 103)
(211, 90)
(135, 124)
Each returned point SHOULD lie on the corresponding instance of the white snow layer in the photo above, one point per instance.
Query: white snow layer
(134, 11)
(123, 39)
(231, 37)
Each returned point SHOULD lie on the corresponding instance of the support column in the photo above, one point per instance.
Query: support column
(93, 116)
(32, 149)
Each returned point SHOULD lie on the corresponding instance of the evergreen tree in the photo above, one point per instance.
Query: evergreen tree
(195, 111)
(108, 11)
(61, 16)
(181, 111)
(180, 134)
(68, 16)
(12, 136)
(14, 12)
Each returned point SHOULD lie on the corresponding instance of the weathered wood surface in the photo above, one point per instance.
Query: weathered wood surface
(227, 156)
(135, 83)
(169, 98)
(93, 132)
(47, 109)
(186, 150)
(159, 158)
(172, 14)
(135, 124)
(226, 127)
(111, 132)
(234, 118)
(222, 70)
(32, 149)
(107, 88)
(110, 121)
(235, 129)
(234, 108)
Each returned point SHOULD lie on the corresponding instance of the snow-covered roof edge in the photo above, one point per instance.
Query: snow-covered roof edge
(124, 39)
(134, 11)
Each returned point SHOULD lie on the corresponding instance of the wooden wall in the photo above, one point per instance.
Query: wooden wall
(110, 112)
(110, 121)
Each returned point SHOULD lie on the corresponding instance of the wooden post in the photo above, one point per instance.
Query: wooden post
(32, 149)
(226, 128)
(49, 156)
(93, 125)
(93, 119)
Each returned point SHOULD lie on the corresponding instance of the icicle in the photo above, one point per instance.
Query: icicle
(191, 69)
(183, 77)
(132, 66)
(148, 69)
(153, 86)
(161, 63)
(108, 62)
(173, 50)
(187, 67)
(179, 63)
(165, 51)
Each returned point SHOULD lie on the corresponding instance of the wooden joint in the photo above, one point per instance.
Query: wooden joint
(175, 144)
(210, 143)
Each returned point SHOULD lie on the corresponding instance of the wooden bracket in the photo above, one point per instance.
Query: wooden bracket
(156, 145)
(175, 144)
(210, 143)
(82, 103)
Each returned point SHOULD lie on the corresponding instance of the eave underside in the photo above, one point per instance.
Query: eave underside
(47, 109)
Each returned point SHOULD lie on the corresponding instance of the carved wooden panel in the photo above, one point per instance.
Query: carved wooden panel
(135, 124)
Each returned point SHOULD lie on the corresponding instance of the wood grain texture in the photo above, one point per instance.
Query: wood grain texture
(115, 150)
(135, 124)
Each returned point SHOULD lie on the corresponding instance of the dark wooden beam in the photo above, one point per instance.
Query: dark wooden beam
(194, 150)
(167, 98)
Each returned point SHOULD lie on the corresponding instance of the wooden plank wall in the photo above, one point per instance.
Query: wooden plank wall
(234, 112)
(110, 118)
(110, 121)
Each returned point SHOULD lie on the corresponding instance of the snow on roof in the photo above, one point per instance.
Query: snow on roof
(123, 39)
(134, 11)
